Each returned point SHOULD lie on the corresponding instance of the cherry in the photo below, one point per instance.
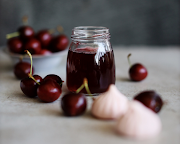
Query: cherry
(33, 46)
(44, 36)
(137, 72)
(45, 52)
(73, 104)
(21, 69)
(54, 77)
(49, 90)
(29, 86)
(59, 42)
(15, 45)
(150, 99)
(26, 32)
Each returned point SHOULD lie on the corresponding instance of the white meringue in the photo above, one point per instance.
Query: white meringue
(139, 122)
(110, 104)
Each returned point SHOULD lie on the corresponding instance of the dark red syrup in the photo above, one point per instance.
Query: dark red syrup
(97, 67)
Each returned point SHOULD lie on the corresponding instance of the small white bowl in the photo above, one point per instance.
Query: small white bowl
(40, 62)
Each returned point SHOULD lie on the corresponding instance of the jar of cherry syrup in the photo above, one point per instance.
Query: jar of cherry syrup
(90, 56)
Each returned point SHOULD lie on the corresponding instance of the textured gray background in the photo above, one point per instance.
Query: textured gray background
(131, 22)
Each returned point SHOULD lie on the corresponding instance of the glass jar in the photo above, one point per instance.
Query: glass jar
(90, 56)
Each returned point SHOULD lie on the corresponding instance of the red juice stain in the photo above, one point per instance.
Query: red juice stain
(97, 67)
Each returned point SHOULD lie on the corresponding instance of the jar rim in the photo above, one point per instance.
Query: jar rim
(86, 33)
(91, 28)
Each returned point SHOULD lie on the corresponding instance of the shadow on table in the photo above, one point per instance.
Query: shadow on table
(19, 96)
(123, 79)
(10, 76)
(88, 115)
(6, 68)
(53, 112)
(59, 113)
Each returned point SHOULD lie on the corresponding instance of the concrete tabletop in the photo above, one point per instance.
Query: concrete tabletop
(26, 120)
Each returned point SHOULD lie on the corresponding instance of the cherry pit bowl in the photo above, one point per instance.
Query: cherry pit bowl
(40, 62)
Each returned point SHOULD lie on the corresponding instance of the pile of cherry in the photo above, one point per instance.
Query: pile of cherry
(41, 43)
(136, 119)
(49, 89)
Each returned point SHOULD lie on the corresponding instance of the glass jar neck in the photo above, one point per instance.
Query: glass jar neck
(90, 33)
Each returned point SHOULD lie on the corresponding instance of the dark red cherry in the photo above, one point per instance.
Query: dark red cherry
(33, 46)
(45, 52)
(150, 99)
(49, 91)
(22, 69)
(137, 72)
(54, 77)
(26, 32)
(73, 104)
(15, 45)
(59, 43)
(44, 36)
(29, 86)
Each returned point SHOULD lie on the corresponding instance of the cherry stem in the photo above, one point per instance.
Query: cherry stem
(129, 60)
(25, 20)
(21, 58)
(31, 60)
(51, 31)
(87, 87)
(11, 35)
(30, 76)
(60, 29)
(80, 88)
(61, 83)
(85, 84)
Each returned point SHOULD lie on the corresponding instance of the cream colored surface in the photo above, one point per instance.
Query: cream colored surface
(25, 121)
